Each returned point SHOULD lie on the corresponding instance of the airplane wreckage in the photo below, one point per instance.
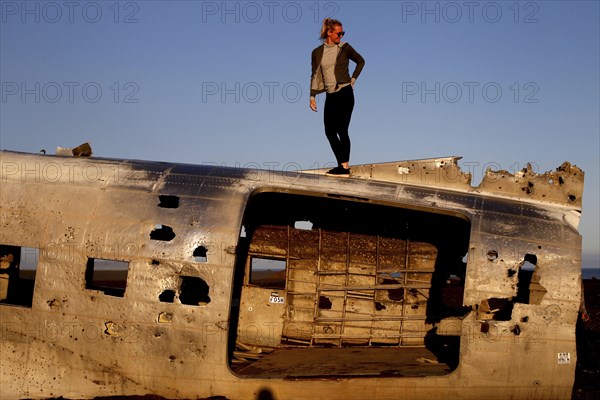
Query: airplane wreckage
(123, 277)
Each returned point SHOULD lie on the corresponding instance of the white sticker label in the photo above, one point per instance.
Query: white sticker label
(564, 358)
(276, 300)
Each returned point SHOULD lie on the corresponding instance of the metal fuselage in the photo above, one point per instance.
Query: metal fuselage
(183, 236)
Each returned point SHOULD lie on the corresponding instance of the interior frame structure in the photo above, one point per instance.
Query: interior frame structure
(357, 275)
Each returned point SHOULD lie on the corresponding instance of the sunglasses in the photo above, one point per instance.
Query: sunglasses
(340, 34)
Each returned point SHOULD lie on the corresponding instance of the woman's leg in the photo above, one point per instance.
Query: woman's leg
(330, 118)
(337, 113)
(346, 105)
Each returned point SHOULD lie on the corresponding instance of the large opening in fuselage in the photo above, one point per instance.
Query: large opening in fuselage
(330, 286)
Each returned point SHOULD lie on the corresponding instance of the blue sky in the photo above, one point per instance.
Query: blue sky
(501, 83)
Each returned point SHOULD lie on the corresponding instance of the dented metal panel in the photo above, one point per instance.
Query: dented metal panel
(173, 331)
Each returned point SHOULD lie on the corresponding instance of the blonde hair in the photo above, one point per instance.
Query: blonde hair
(328, 24)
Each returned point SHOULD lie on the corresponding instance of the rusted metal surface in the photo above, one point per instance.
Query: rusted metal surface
(562, 186)
(515, 328)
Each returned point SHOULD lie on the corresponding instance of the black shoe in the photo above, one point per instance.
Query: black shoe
(339, 170)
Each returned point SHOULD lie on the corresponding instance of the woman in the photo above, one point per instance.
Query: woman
(330, 74)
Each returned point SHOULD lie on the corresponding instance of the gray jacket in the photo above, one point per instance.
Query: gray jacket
(342, 74)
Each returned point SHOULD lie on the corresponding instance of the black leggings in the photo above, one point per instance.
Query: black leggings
(337, 114)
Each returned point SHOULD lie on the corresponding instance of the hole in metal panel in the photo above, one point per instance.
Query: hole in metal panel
(501, 308)
(108, 276)
(193, 291)
(303, 225)
(167, 296)
(163, 233)
(200, 254)
(18, 270)
(492, 255)
(366, 275)
(167, 201)
(529, 289)
(324, 303)
(267, 273)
